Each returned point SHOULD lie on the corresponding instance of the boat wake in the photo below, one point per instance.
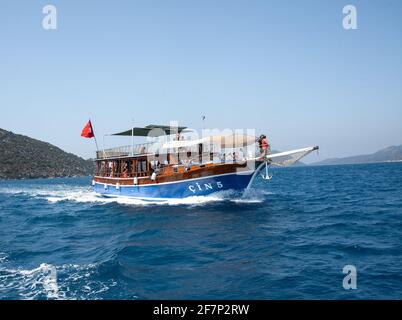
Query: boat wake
(52, 282)
(80, 194)
(92, 197)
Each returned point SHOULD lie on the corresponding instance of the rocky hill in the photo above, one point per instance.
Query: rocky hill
(22, 157)
(393, 153)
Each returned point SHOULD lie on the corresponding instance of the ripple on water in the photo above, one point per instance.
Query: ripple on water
(288, 238)
(49, 281)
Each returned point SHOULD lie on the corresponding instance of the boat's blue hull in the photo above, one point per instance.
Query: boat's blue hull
(179, 189)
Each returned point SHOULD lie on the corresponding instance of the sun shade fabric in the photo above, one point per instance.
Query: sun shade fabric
(224, 141)
(151, 130)
(232, 140)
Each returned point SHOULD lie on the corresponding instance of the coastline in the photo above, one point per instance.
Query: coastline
(44, 178)
(304, 166)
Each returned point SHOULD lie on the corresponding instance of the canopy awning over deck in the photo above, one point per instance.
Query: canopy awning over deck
(151, 131)
(224, 141)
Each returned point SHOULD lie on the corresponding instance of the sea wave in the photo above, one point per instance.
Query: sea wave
(60, 193)
(92, 197)
(62, 241)
(3, 257)
(52, 282)
(45, 190)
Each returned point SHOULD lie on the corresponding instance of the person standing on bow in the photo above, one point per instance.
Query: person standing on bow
(265, 148)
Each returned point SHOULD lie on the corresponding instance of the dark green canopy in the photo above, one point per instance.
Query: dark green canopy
(157, 130)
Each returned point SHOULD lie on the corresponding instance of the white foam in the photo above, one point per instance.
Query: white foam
(46, 190)
(3, 257)
(253, 196)
(247, 200)
(44, 281)
(33, 283)
(92, 197)
(62, 192)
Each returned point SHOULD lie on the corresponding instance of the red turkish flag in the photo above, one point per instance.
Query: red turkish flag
(88, 132)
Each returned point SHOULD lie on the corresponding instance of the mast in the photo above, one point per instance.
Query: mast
(132, 138)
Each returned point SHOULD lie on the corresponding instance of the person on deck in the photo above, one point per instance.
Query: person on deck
(125, 170)
(265, 148)
(156, 164)
(110, 165)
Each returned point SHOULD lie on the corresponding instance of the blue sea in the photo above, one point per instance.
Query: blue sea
(289, 238)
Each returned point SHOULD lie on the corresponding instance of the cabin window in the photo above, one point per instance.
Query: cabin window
(139, 166)
(105, 166)
(134, 167)
(142, 167)
(125, 169)
(115, 168)
(100, 168)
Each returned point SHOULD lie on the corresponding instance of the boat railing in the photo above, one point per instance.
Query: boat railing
(150, 147)
(172, 167)
(124, 151)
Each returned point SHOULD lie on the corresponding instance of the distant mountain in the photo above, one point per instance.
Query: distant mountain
(23, 157)
(393, 153)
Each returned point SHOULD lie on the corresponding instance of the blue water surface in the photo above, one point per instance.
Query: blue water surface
(289, 238)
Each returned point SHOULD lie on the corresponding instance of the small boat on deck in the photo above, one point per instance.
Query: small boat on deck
(172, 166)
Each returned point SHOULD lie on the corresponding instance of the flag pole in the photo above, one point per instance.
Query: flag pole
(103, 147)
(132, 137)
(203, 125)
(96, 142)
(93, 131)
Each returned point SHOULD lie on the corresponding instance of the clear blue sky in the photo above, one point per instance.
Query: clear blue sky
(286, 68)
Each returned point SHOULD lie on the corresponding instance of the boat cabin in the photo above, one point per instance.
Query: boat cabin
(170, 159)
